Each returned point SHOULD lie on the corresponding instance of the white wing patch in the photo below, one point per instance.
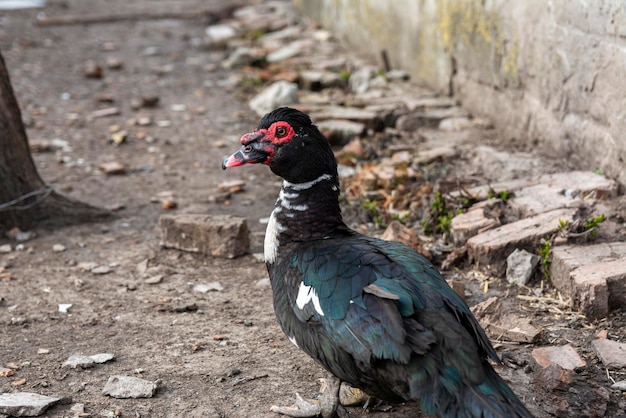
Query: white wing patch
(293, 341)
(307, 294)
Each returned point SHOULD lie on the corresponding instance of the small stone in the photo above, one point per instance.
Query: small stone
(119, 138)
(239, 57)
(208, 287)
(92, 70)
(144, 121)
(78, 409)
(101, 270)
(6, 372)
(64, 307)
(178, 107)
(5, 248)
(281, 93)
(360, 80)
(115, 63)
(220, 33)
(43, 351)
(142, 266)
(344, 171)
(77, 360)
(102, 357)
(603, 333)
(232, 186)
(154, 279)
(87, 265)
(619, 385)
(520, 266)
(184, 306)
(25, 404)
(283, 53)
(151, 51)
(397, 75)
(149, 101)
(565, 356)
(168, 204)
(455, 124)
(113, 168)
(124, 387)
(39, 146)
(102, 113)
(58, 248)
(611, 353)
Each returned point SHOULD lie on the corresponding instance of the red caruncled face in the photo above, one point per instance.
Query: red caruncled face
(260, 146)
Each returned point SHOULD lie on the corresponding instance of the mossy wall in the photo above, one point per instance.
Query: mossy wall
(551, 75)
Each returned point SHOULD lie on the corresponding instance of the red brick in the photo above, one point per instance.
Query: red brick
(470, 223)
(491, 248)
(594, 276)
(565, 356)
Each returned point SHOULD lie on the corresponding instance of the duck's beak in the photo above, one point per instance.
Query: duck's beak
(253, 151)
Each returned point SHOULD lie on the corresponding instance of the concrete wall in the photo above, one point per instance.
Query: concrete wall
(550, 74)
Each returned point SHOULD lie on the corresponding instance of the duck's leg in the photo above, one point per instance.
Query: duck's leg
(334, 393)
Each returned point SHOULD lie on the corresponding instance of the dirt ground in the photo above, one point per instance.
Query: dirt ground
(214, 354)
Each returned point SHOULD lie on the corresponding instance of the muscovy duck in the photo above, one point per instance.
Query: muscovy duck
(375, 314)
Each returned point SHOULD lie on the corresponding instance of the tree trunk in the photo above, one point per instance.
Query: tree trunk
(25, 200)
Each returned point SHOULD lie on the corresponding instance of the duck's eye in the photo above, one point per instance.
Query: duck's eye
(281, 131)
(247, 148)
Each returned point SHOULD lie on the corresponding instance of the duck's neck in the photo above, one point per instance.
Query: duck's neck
(303, 212)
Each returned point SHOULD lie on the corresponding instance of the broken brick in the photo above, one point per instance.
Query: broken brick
(611, 353)
(491, 248)
(565, 356)
(594, 276)
(220, 236)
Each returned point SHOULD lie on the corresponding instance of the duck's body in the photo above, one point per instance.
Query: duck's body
(374, 313)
